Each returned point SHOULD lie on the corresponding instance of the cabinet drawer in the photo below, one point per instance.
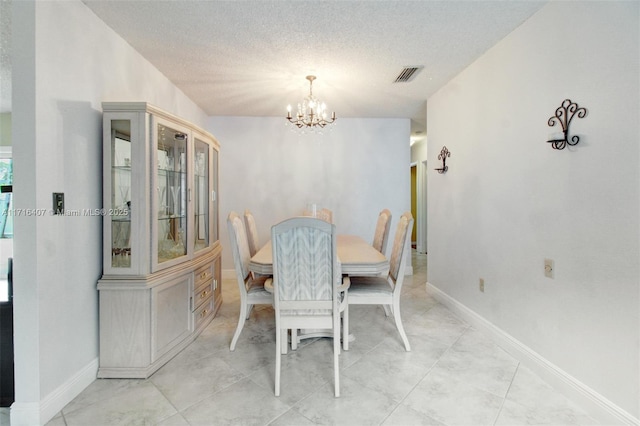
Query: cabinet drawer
(203, 313)
(203, 276)
(202, 295)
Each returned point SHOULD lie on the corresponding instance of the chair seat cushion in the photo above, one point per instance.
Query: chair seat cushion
(256, 287)
(369, 286)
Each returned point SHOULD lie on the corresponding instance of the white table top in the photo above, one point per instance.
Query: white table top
(356, 255)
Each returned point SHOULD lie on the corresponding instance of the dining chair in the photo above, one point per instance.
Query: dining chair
(381, 235)
(307, 284)
(252, 232)
(326, 215)
(380, 290)
(252, 291)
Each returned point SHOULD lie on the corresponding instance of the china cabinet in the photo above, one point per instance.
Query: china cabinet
(161, 255)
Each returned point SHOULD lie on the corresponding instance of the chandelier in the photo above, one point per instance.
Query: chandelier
(312, 112)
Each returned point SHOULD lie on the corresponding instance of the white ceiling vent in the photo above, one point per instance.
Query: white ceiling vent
(408, 74)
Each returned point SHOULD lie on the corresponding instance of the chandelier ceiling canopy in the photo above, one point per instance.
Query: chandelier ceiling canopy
(312, 113)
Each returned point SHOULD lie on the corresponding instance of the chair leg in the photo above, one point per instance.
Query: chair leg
(241, 320)
(249, 311)
(345, 328)
(278, 360)
(398, 319)
(387, 310)
(294, 339)
(336, 351)
(283, 341)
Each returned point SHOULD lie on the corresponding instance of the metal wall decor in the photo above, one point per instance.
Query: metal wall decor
(444, 153)
(564, 114)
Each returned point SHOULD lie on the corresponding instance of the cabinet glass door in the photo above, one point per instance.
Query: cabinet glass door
(171, 185)
(201, 196)
(120, 209)
(214, 196)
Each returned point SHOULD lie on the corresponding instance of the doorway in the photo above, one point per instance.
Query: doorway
(419, 206)
(7, 391)
(414, 203)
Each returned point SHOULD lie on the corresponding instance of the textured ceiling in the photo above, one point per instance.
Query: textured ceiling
(250, 58)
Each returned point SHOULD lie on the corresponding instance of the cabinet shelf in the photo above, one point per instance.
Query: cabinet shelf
(172, 172)
(165, 218)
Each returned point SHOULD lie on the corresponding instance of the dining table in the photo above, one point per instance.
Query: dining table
(355, 254)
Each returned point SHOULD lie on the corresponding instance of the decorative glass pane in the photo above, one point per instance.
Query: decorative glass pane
(214, 196)
(171, 192)
(201, 201)
(120, 212)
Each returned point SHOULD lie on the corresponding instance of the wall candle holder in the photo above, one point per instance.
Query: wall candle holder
(564, 114)
(444, 153)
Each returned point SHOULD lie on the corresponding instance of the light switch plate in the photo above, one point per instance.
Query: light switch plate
(58, 203)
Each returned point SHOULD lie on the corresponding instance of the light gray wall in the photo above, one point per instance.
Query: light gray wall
(509, 200)
(356, 169)
(5, 129)
(57, 134)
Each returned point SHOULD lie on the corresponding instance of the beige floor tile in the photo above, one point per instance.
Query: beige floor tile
(453, 376)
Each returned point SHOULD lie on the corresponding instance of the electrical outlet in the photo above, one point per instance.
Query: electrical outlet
(548, 268)
(482, 285)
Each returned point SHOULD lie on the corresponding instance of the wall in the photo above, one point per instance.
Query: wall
(356, 169)
(509, 201)
(5, 129)
(57, 134)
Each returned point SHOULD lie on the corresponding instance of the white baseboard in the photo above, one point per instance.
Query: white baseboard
(34, 413)
(25, 414)
(591, 401)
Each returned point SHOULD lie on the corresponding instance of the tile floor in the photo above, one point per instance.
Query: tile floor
(452, 376)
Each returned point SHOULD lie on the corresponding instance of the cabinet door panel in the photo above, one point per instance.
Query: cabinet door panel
(201, 187)
(172, 314)
(120, 194)
(124, 328)
(171, 185)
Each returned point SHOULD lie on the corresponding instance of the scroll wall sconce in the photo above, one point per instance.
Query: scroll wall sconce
(564, 114)
(444, 153)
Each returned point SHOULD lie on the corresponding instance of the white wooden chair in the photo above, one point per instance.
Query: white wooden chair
(381, 235)
(326, 215)
(378, 290)
(252, 232)
(251, 288)
(307, 284)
